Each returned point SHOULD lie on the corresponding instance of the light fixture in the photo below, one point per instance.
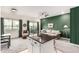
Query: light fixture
(62, 12)
(65, 26)
(13, 9)
(45, 14)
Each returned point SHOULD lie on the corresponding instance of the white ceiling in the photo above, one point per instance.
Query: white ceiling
(31, 12)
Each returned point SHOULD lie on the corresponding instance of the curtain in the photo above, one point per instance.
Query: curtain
(20, 28)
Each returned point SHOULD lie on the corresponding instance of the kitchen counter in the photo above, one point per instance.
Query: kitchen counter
(38, 45)
(44, 43)
(40, 40)
(45, 37)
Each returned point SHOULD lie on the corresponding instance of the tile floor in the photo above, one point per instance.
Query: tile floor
(20, 46)
(17, 45)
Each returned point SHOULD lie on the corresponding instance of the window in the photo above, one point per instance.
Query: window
(11, 26)
(7, 24)
(15, 25)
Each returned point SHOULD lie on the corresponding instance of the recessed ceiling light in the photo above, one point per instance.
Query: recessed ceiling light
(13, 9)
(62, 12)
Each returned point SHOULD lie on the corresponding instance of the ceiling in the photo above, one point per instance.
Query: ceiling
(32, 12)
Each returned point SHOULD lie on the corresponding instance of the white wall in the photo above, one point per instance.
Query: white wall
(0, 26)
(16, 16)
(0, 21)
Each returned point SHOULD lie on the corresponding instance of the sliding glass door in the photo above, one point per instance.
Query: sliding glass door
(12, 27)
(33, 27)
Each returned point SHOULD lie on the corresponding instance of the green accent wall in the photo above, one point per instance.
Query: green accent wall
(58, 21)
(74, 23)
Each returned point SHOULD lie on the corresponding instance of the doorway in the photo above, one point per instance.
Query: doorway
(34, 28)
